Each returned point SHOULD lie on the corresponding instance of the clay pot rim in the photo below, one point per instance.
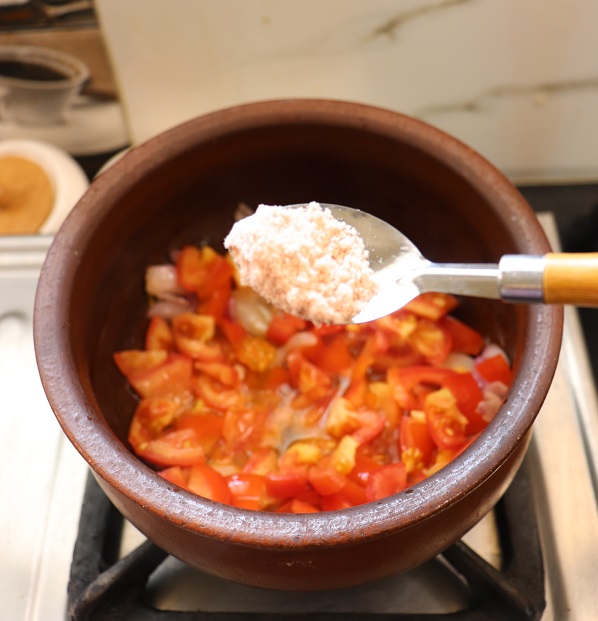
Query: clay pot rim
(75, 406)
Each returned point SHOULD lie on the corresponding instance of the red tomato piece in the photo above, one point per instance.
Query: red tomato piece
(495, 369)
(334, 356)
(209, 483)
(215, 394)
(206, 425)
(364, 467)
(174, 448)
(151, 417)
(284, 485)
(176, 475)
(386, 481)
(233, 331)
(193, 336)
(415, 441)
(405, 382)
(135, 361)
(159, 335)
(218, 275)
(192, 266)
(325, 479)
(302, 506)
(354, 493)
(308, 378)
(283, 326)
(431, 341)
(171, 379)
(465, 339)
(263, 461)
(256, 353)
(216, 305)
(446, 423)
(432, 305)
(351, 495)
(335, 502)
(248, 491)
(221, 371)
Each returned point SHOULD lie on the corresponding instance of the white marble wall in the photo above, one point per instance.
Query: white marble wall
(515, 79)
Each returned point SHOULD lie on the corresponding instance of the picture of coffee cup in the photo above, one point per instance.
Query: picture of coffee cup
(37, 84)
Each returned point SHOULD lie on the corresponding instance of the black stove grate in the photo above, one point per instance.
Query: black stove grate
(103, 587)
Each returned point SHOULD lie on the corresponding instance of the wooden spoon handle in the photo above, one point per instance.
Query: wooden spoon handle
(571, 278)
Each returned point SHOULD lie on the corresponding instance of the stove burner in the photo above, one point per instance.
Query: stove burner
(103, 587)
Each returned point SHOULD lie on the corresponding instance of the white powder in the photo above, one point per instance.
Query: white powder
(303, 261)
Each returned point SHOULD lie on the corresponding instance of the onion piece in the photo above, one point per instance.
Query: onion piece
(494, 396)
(251, 311)
(161, 280)
(170, 306)
(299, 340)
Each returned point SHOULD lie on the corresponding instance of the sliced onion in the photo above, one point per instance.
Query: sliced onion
(494, 395)
(299, 340)
(492, 350)
(251, 311)
(161, 280)
(170, 306)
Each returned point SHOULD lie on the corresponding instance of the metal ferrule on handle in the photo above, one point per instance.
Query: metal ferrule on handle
(521, 278)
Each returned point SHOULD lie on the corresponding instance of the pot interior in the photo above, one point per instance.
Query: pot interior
(185, 187)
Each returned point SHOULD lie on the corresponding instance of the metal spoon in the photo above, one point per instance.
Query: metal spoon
(402, 273)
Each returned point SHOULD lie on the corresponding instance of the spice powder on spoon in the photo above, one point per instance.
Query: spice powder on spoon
(303, 261)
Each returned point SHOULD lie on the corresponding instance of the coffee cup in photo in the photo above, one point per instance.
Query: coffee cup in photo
(37, 85)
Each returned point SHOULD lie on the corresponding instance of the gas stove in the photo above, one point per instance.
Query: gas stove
(68, 553)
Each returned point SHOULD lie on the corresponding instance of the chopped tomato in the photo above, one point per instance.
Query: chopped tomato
(447, 424)
(151, 417)
(233, 331)
(334, 356)
(409, 385)
(432, 306)
(269, 412)
(159, 335)
(217, 303)
(386, 481)
(171, 378)
(221, 371)
(431, 341)
(255, 352)
(283, 326)
(248, 491)
(174, 448)
(176, 475)
(196, 267)
(215, 394)
(218, 276)
(286, 484)
(464, 338)
(325, 479)
(364, 467)
(209, 483)
(193, 335)
(206, 425)
(134, 362)
(495, 369)
(302, 506)
(416, 443)
(311, 381)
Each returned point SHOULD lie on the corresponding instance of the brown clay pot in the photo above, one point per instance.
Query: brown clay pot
(184, 186)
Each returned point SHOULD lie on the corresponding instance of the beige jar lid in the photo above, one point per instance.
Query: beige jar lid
(39, 185)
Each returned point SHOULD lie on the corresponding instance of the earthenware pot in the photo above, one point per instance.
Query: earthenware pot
(184, 187)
